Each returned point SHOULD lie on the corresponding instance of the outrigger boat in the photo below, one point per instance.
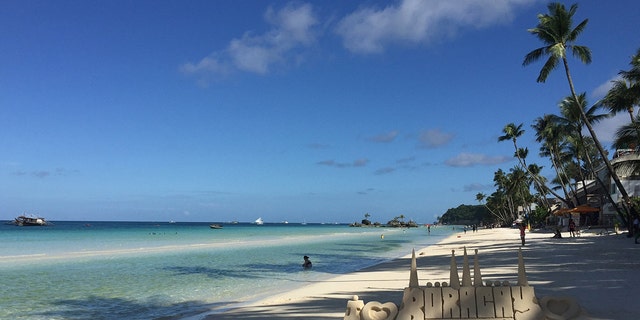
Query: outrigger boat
(30, 221)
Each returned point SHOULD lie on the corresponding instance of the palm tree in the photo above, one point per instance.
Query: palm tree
(627, 135)
(556, 31)
(620, 98)
(571, 121)
(480, 197)
(502, 200)
(536, 170)
(624, 95)
(513, 132)
(550, 135)
(518, 183)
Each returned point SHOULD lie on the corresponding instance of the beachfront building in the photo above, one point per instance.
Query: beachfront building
(591, 194)
(594, 194)
(604, 194)
(626, 163)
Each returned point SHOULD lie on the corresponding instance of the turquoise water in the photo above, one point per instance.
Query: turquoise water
(145, 270)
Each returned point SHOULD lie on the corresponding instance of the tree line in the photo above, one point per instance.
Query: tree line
(576, 158)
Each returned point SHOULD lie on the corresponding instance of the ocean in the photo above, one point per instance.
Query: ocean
(154, 270)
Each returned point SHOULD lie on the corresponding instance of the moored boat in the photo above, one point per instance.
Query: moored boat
(30, 221)
(215, 226)
(259, 221)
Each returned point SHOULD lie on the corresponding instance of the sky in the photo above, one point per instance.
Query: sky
(316, 111)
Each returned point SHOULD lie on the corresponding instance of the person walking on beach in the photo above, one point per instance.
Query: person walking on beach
(636, 229)
(307, 263)
(572, 227)
(522, 229)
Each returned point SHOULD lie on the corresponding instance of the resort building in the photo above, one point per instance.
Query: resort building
(596, 195)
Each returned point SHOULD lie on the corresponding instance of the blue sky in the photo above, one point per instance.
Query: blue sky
(307, 110)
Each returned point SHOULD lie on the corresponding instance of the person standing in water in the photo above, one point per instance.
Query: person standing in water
(307, 263)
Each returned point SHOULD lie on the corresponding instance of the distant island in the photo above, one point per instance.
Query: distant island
(397, 222)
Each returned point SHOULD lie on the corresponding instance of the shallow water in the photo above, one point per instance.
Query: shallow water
(143, 270)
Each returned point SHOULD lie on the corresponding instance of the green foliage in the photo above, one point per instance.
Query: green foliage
(538, 216)
(466, 214)
(635, 203)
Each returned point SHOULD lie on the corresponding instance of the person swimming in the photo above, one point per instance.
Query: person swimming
(307, 263)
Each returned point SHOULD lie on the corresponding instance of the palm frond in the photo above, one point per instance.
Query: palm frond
(619, 98)
(573, 35)
(583, 53)
(572, 9)
(533, 56)
(627, 168)
(549, 66)
(633, 75)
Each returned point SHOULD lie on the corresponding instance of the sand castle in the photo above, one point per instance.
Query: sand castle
(467, 299)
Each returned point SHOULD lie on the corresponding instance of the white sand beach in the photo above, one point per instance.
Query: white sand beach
(602, 272)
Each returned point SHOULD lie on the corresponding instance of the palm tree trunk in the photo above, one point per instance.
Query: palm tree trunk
(601, 183)
(584, 185)
(612, 172)
(535, 178)
(559, 172)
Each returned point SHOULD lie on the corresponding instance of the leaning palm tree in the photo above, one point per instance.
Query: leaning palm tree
(513, 132)
(571, 121)
(536, 171)
(624, 95)
(556, 31)
(549, 134)
(620, 98)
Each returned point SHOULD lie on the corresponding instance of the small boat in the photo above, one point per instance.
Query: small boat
(215, 226)
(30, 221)
(259, 221)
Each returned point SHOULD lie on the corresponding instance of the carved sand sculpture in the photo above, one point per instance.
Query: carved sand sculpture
(467, 299)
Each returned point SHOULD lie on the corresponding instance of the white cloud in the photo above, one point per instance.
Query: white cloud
(368, 30)
(356, 163)
(599, 92)
(360, 162)
(385, 137)
(434, 138)
(207, 64)
(291, 29)
(385, 170)
(477, 187)
(472, 159)
(606, 129)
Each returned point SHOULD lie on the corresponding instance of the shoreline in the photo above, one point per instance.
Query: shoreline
(599, 271)
(228, 310)
(265, 307)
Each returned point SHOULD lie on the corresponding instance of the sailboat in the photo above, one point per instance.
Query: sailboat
(259, 221)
